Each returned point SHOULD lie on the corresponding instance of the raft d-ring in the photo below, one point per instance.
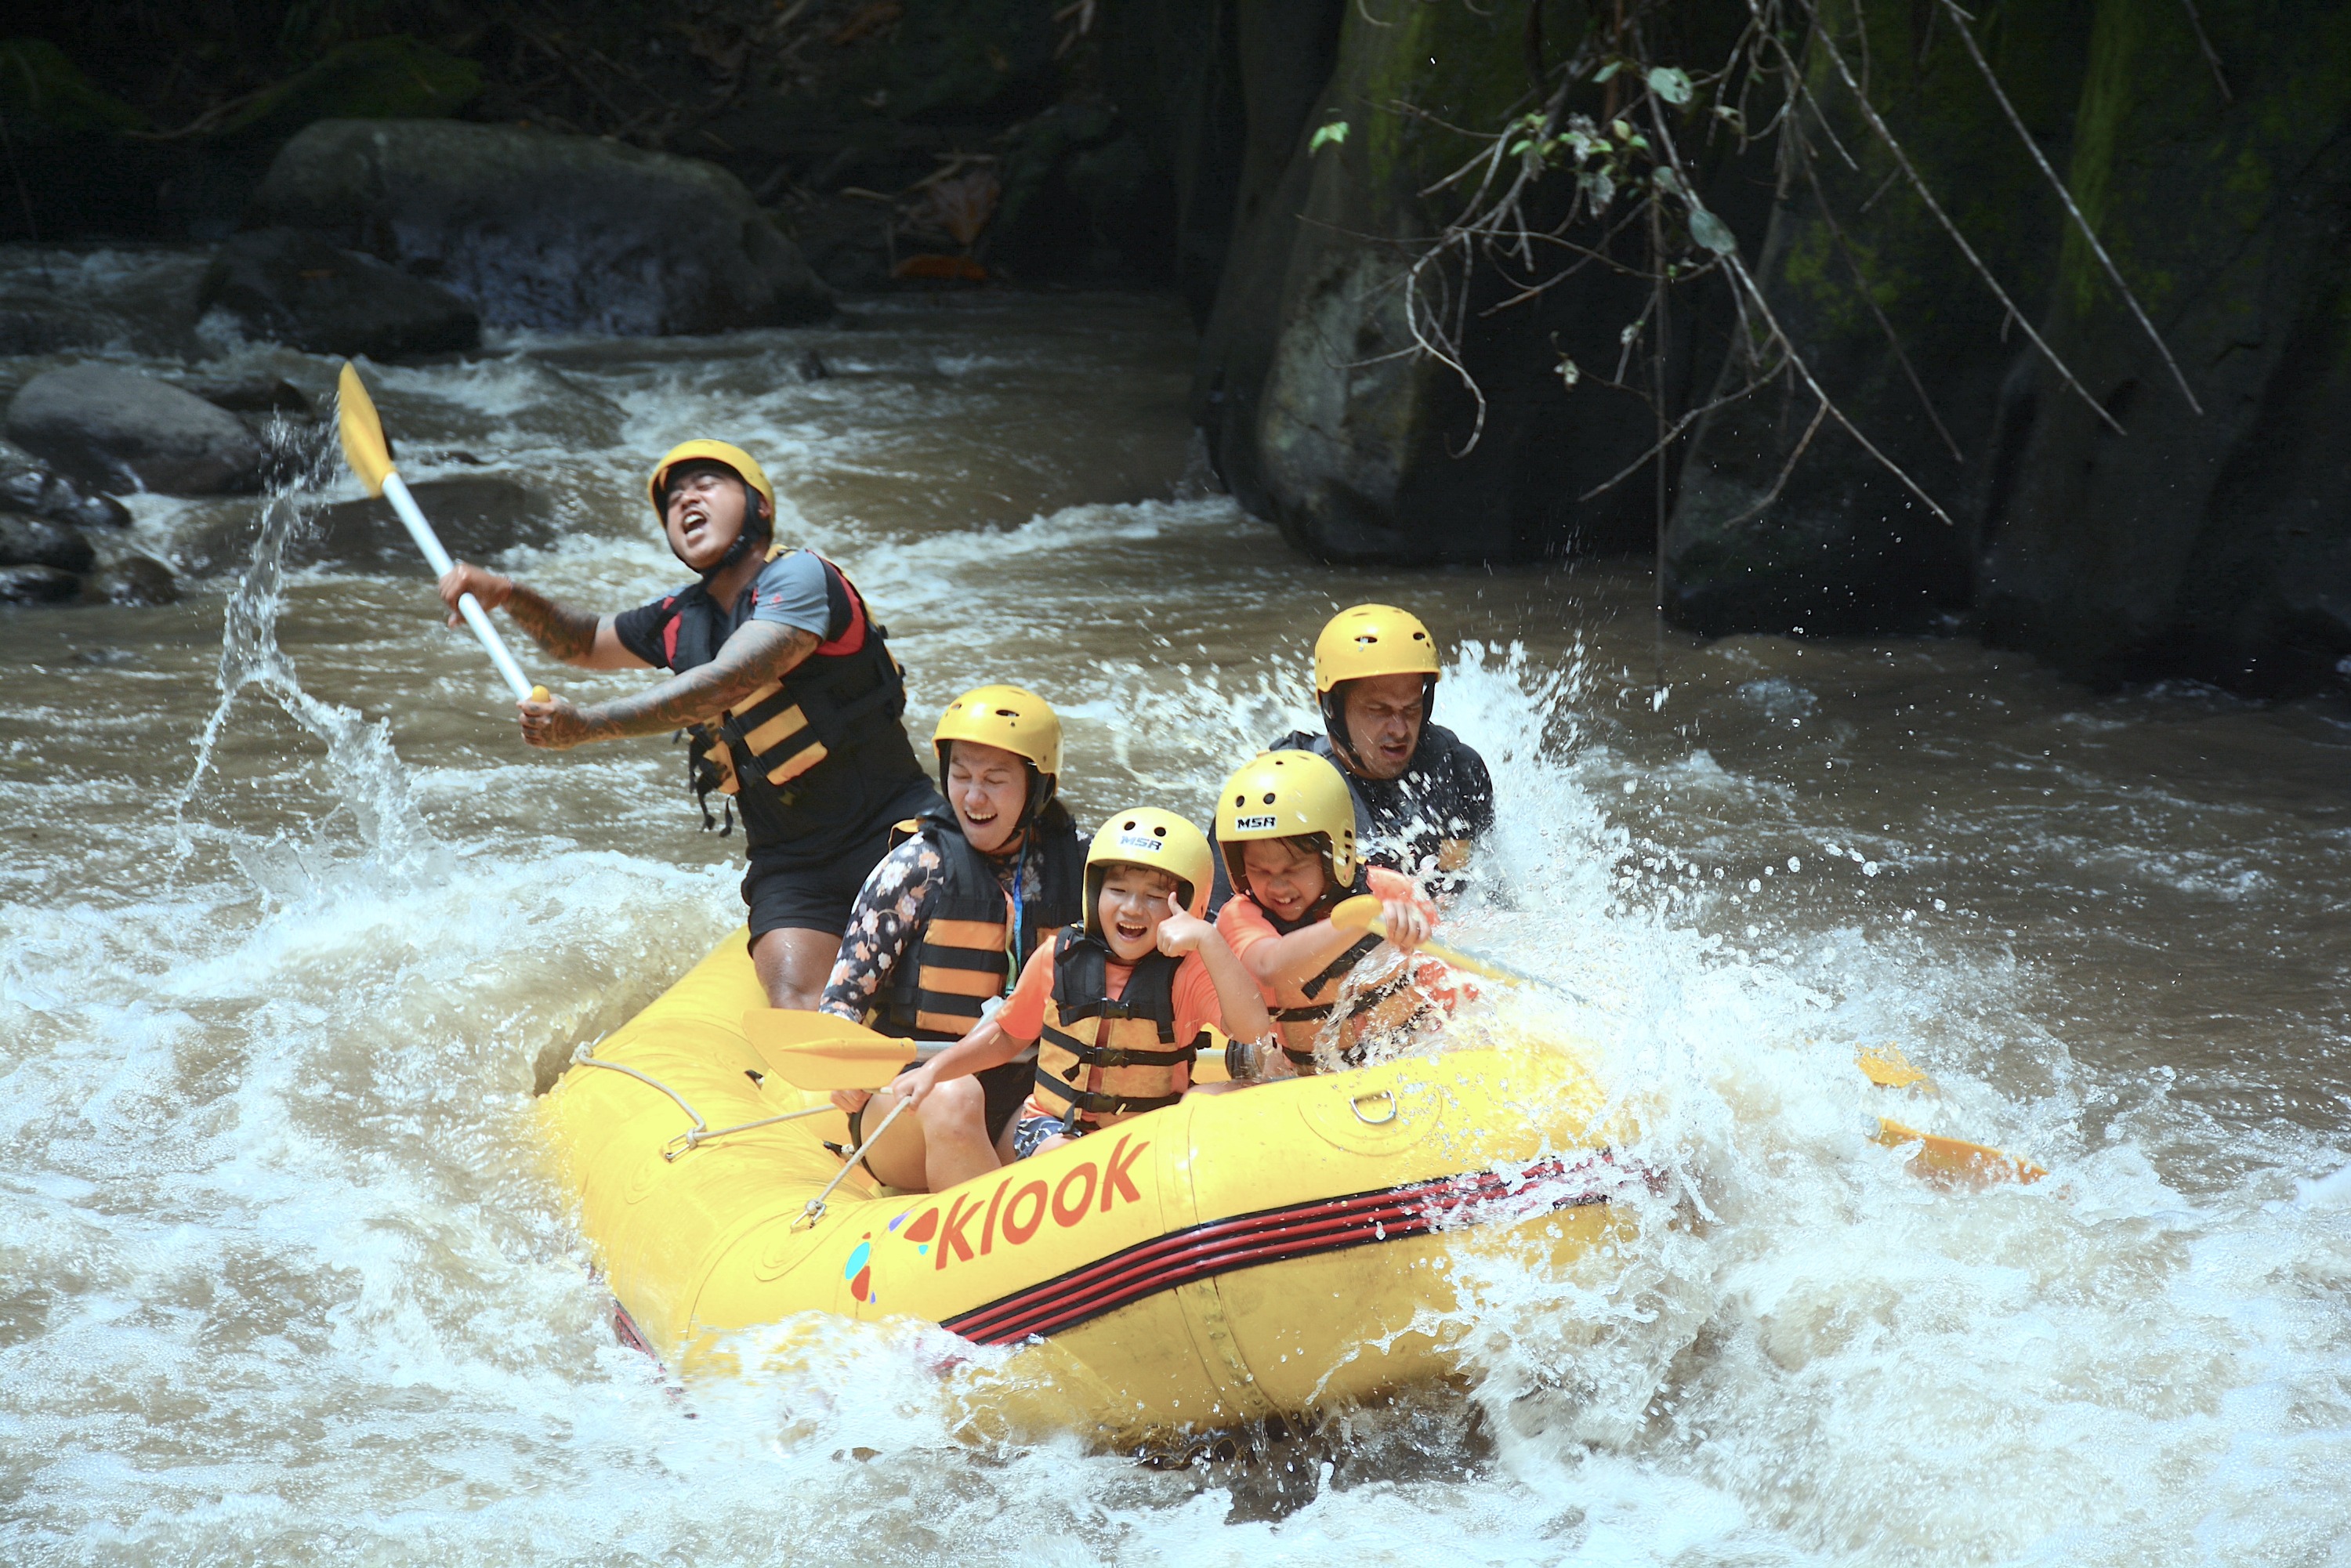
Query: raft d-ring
(1359, 1101)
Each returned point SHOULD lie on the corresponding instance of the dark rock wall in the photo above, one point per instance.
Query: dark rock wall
(1838, 543)
(2219, 544)
(1317, 414)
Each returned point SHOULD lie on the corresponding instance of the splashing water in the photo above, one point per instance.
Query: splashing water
(281, 1277)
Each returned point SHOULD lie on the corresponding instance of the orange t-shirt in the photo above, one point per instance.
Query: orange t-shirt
(1196, 1008)
(1243, 922)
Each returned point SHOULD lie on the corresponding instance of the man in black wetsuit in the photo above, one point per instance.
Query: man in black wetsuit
(784, 680)
(1422, 795)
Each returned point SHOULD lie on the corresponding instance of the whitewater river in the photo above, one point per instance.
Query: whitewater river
(294, 929)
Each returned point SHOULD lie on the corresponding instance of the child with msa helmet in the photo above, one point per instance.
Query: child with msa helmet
(1286, 823)
(1116, 1008)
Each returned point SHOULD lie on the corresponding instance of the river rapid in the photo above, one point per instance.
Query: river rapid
(294, 929)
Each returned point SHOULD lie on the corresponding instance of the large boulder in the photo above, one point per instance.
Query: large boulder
(2216, 544)
(35, 541)
(537, 229)
(292, 286)
(1320, 407)
(135, 580)
(38, 585)
(125, 431)
(27, 486)
(476, 518)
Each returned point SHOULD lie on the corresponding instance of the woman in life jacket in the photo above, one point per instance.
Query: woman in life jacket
(1117, 1009)
(1286, 825)
(783, 677)
(943, 925)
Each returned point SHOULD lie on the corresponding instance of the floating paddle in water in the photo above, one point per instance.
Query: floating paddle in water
(1889, 1069)
(818, 1051)
(1955, 1160)
(370, 457)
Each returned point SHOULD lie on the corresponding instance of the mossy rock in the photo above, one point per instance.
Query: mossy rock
(393, 78)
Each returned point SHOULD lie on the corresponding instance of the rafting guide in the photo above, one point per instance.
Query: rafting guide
(784, 682)
(1422, 795)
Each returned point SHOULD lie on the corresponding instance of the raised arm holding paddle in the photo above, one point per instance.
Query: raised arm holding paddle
(779, 671)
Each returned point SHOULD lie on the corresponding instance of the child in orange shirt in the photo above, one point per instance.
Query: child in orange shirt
(1287, 825)
(1116, 1011)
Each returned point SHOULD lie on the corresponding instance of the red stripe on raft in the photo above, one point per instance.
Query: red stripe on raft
(1220, 1245)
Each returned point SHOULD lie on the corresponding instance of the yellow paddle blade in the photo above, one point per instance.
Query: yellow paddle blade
(818, 1051)
(363, 445)
(1360, 913)
(1955, 1161)
(1889, 1069)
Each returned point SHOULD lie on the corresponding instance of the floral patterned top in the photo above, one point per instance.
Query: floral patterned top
(886, 923)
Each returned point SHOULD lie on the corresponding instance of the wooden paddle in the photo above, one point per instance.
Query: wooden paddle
(369, 455)
(1946, 1159)
(818, 1051)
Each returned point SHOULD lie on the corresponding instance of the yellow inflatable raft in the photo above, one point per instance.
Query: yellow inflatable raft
(1263, 1251)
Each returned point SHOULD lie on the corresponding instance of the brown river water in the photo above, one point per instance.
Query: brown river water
(293, 929)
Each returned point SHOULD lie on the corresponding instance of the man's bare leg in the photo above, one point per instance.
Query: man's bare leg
(793, 966)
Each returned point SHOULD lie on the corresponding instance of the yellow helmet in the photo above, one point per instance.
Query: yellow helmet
(1373, 640)
(1283, 795)
(1017, 721)
(1370, 639)
(746, 467)
(1147, 836)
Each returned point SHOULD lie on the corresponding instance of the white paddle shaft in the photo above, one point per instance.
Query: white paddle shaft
(404, 504)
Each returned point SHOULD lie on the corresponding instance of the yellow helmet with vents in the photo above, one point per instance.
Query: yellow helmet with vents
(1011, 719)
(746, 467)
(1288, 795)
(1147, 836)
(1373, 640)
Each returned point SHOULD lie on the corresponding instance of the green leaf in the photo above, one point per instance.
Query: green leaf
(1670, 83)
(1332, 133)
(1711, 232)
(1610, 69)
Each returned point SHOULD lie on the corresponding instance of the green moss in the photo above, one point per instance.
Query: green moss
(376, 78)
(39, 87)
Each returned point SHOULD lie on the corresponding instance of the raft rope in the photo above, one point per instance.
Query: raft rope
(701, 1133)
(815, 1209)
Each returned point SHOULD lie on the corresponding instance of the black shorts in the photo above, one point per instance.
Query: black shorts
(811, 897)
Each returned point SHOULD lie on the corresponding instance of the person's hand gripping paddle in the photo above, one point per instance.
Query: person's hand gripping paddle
(365, 450)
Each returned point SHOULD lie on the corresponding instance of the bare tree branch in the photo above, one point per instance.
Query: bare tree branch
(2114, 273)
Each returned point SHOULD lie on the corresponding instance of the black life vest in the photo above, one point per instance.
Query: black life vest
(818, 753)
(965, 955)
(1100, 1060)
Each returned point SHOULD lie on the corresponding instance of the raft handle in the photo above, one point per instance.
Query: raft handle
(1387, 1094)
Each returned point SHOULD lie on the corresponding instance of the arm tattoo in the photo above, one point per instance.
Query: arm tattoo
(566, 632)
(759, 654)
